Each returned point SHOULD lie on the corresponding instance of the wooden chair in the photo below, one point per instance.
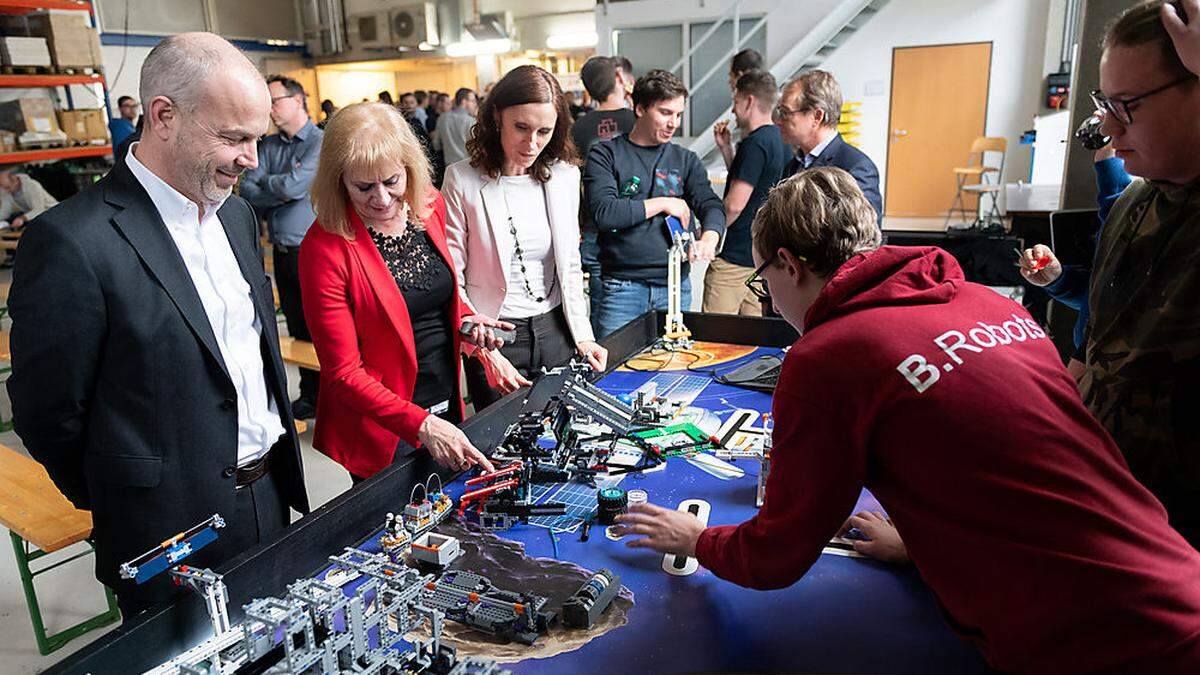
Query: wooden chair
(979, 178)
(37, 514)
(298, 352)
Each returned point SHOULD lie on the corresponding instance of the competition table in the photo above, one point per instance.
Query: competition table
(847, 615)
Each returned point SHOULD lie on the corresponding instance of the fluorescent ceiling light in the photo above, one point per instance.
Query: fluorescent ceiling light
(572, 40)
(479, 47)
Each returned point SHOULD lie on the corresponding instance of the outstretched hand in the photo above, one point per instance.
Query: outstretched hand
(664, 530)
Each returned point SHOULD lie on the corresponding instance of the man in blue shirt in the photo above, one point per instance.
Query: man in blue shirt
(278, 189)
(123, 127)
(753, 171)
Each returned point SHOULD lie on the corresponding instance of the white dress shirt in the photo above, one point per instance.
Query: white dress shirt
(816, 152)
(527, 206)
(226, 298)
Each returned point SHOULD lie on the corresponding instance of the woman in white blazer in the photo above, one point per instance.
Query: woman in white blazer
(512, 226)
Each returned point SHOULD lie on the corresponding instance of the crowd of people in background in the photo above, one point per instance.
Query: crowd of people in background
(992, 461)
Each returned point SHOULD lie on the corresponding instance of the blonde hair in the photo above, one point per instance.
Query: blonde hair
(819, 214)
(372, 138)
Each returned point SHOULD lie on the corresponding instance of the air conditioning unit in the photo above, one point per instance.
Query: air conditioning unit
(413, 24)
(370, 30)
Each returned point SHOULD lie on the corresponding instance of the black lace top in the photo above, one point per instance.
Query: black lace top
(425, 282)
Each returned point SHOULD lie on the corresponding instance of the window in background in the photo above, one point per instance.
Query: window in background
(713, 99)
(650, 48)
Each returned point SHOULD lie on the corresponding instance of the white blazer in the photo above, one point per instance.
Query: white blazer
(482, 246)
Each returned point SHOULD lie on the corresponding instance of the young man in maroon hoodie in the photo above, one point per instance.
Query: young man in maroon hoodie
(1015, 505)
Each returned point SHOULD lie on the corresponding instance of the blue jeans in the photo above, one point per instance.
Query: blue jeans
(589, 253)
(626, 300)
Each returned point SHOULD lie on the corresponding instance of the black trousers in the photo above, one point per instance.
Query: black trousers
(287, 280)
(261, 514)
(542, 341)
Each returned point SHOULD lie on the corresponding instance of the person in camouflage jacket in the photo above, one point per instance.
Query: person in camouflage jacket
(1143, 338)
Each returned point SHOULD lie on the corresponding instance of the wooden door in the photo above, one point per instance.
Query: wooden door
(939, 106)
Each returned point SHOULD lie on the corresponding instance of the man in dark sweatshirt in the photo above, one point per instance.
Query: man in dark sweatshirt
(1014, 503)
(632, 183)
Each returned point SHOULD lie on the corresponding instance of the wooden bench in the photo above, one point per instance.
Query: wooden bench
(298, 352)
(37, 514)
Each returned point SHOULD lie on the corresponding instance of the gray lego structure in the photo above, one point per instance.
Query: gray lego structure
(471, 599)
(318, 628)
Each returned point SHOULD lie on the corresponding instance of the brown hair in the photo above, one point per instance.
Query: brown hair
(821, 92)
(372, 137)
(761, 85)
(523, 84)
(746, 61)
(819, 214)
(1142, 25)
(657, 85)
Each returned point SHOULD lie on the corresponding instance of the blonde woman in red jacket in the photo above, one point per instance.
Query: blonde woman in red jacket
(381, 301)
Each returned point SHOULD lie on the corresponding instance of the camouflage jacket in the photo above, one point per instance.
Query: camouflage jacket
(1143, 340)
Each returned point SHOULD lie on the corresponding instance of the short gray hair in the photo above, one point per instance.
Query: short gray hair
(178, 66)
(821, 92)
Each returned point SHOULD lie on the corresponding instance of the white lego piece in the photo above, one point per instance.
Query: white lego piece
(682, 566)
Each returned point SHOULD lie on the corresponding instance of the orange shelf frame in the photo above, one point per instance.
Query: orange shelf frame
(49, 80)
(54, 153)
(26, 6)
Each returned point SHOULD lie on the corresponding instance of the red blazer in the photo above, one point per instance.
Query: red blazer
(363, 335)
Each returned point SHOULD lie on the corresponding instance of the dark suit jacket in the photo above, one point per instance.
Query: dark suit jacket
(118, 387)
(841, 154)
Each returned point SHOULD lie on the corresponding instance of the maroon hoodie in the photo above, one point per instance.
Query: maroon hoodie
(950, 404)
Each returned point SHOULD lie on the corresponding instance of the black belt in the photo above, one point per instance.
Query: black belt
(253, 471)
(285, 250)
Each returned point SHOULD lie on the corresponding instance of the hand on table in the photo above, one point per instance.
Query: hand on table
(664, 530)
(884, 544)
(705, 248)
(501, 374)
(1040, 266)
(18, 222)
(597, 356)
(448, 445)
(481, 334)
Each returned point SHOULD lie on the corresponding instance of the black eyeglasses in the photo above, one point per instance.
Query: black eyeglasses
(783, 112)
(1119, 108)
(757, 284)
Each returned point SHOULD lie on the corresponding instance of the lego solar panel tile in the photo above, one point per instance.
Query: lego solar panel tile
(579, 499)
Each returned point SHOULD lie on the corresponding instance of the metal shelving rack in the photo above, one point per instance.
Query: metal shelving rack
(33, 81)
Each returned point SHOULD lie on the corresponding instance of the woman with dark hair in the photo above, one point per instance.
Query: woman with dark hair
(512, 225)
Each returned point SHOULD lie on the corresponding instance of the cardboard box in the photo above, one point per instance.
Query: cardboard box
(8, 141)
(24, 51)
(28, 115)
(87, 127)
(72, 42)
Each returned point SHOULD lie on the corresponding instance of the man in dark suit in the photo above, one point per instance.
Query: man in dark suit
(146, 368)
(808, 114)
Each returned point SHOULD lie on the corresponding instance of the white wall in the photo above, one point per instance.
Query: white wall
(1017, 31)
(794, 21)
